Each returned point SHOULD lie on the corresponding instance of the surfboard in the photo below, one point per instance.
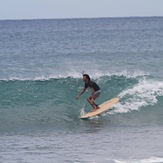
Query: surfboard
(103, 107)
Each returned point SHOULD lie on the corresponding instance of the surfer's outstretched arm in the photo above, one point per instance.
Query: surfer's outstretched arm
(77, 97)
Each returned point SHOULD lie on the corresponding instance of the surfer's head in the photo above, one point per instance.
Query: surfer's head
(86, 78)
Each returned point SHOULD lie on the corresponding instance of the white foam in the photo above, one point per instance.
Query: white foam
(127, 74)
(82, 112)
(148, 160)
(94, 74)
(142, 94)
(152, 160)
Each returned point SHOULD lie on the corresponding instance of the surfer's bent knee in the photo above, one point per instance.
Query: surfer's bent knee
(89, 99)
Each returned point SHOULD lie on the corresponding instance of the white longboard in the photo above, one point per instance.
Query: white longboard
(103, 107)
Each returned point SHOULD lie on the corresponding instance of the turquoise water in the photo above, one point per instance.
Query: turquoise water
(41, 69)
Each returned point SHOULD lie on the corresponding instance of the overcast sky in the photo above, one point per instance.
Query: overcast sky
(36, 9)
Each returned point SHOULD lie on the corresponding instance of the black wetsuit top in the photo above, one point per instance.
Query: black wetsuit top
(93, 85)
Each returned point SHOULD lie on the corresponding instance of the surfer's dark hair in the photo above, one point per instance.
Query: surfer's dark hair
(87, 76)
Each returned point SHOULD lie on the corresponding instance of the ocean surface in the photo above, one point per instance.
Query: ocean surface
(41, 65)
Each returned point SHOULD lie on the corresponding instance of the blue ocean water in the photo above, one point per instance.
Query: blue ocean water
(41, 65)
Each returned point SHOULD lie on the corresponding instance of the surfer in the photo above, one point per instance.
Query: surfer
(95, 91)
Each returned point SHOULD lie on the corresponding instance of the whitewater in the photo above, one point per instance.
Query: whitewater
(41, 68)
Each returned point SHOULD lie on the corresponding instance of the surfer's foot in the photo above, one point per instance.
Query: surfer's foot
(95, 109)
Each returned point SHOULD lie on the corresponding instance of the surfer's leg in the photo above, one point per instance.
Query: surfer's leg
(95, 96)
(90, 100)
(97, 107)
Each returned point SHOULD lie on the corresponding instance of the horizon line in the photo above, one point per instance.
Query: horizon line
(113, 17)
